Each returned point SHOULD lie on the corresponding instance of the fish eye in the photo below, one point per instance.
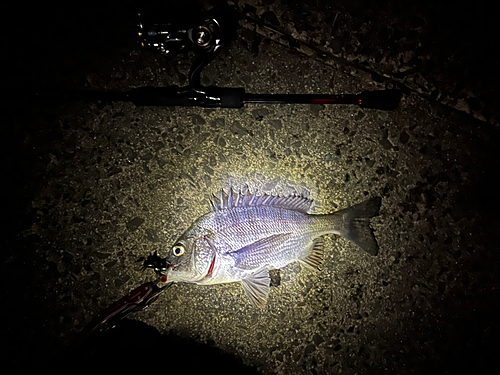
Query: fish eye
(178, 249)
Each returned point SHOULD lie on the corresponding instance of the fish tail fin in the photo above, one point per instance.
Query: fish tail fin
(356, 224)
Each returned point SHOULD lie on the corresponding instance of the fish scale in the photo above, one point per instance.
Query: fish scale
(246, 235)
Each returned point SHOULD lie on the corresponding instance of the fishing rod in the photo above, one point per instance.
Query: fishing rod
(136, 300)
(206, 34)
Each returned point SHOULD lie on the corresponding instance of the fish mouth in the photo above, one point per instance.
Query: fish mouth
(164, 274)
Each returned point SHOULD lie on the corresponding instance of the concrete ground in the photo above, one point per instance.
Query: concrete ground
(93, 188)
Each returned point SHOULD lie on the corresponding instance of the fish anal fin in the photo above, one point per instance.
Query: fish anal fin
(316, 256)
(275, 276)
(257, 287)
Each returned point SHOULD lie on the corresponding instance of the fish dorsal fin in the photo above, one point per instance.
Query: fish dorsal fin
(223, 201)
(315, 258)
(257, 287)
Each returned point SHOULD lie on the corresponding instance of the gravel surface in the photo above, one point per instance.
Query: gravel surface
(92, 188)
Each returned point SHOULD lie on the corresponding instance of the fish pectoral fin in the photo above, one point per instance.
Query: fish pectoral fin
(248, 257)
(316, 256)
(257, 287)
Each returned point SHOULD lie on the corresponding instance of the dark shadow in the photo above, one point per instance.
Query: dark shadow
(135, 347)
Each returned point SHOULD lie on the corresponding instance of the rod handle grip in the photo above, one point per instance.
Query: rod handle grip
(209, 97)
(386, 100)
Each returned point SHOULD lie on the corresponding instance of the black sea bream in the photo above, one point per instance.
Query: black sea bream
(247, 235)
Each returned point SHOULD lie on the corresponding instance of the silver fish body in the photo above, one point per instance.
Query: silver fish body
(247, 235)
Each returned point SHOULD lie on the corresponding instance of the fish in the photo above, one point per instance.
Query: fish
(246, 235)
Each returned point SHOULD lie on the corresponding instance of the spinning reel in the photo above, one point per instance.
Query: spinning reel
(205, 35)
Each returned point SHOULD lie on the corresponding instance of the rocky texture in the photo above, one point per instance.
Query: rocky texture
(92, 188)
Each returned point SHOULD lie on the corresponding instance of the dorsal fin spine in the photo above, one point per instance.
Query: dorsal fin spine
(235, 199)
(230, 198)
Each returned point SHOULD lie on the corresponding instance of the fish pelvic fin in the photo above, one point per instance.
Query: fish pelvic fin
(316, 256)
(257, 287)
(356, 224)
